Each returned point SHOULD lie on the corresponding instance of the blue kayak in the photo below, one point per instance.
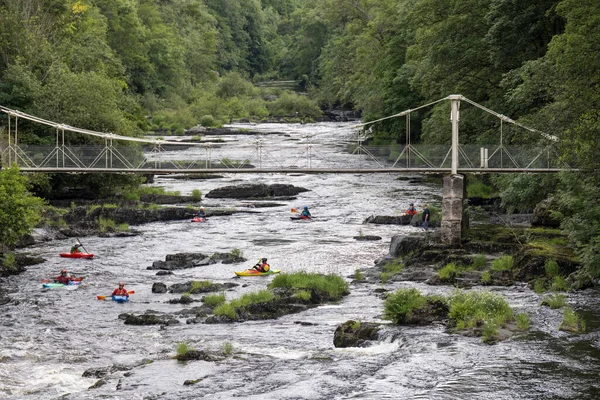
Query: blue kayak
(121, 299)
(57, 285)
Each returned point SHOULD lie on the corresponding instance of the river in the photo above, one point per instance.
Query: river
(49, 338)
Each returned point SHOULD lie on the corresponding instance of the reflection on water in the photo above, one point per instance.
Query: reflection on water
(51, 337)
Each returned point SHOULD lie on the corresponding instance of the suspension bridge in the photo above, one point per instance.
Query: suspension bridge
(113, 153)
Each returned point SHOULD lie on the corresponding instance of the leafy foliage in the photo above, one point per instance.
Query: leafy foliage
(20, 211)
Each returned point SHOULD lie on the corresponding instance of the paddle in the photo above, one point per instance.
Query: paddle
(82, 245)
(104, 297)
(294, 210)
(79, 279)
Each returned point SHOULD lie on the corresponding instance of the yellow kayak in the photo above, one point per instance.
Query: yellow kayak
(253, 272)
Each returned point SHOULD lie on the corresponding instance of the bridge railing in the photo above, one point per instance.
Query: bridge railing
(334, 156)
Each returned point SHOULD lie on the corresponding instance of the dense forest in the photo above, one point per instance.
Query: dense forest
(129, 66)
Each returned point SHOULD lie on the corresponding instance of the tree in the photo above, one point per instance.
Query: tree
(19, 209)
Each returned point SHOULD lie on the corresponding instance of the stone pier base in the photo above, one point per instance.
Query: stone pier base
(452, 209)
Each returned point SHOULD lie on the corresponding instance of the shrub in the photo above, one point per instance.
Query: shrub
(522, 321)
(196, 195)
(449, 272)
(208, 121)
(107, 224)
(358, 275)
(399, 305)
(214, 300)
(227, 348)
(470, 309)
(504, 263)
(304, 295)
(237, 253)
(572, 322)
(225, 309)
(539, 286)
(9, 260)
(393, 267)
(479, 261)
(560, 284)
(199, 286)
(489, 333)
(384, 277)
(554, 301)
(333, 285)
(182, 349)
(551, 268)
(486, 277)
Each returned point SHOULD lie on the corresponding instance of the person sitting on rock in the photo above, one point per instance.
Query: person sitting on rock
(63, 278)
(262, 266)
(120, 291)
(411, 210)
(305, 213)
(75, 248)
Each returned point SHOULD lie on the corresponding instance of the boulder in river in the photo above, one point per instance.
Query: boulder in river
(355, 334)
(192, 260)
(257, 191)
(390, 219)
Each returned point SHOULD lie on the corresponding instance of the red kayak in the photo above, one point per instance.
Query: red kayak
(77, 255)
(197, 219)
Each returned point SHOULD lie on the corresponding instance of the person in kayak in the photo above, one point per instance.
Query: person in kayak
(262, 266)
(63, 278)
(200, 214)
(120, 291)
(305, 213)
(411, 210)
(75, 248)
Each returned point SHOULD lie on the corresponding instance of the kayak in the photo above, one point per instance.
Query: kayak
(297, 218)
(253, 272)
(76, 255)
(57, 285)
(121, 299)
(197, 219)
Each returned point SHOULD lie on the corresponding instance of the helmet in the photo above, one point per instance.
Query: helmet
(264, 260)
(202, 208)
(121, 284)
(306, 207)
(63, 271)
(412, 204)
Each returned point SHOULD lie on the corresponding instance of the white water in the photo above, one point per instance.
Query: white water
(51, 337)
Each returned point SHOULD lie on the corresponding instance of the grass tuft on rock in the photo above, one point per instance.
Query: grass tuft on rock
(523, 321)
(572, 322)
(229, 309)
(199, 286)
(504, 263)
(333, 285)
(214, 300)
(473, 309)
(554, 301)
(399, 305)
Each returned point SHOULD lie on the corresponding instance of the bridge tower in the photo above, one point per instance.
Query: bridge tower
(454, 192)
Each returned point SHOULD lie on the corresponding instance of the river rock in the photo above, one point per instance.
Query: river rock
(197, 355)
(355, 334)
(191, 260)
(543, 214)
(205, 287)
(148, 319)
(366, 238)
(159, 287)
(390, 220)
(258, 190)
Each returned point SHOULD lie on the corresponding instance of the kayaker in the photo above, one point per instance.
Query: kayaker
(63, 278)
(201, 213)
(262, 265)
(75, 248)
(305, 213)
(120, 291)
(411, 210)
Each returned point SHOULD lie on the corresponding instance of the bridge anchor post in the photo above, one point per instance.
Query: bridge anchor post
(453, 218)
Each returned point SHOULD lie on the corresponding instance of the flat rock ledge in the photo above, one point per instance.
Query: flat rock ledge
(256, 191)
(192, 260)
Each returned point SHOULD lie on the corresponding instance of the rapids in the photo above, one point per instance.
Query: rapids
(49, 338)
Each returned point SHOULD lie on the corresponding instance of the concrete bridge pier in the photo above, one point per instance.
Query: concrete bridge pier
(454, 220)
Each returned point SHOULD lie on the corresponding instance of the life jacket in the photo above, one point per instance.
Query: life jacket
(63, 279)
(411, 212)
(265, 267)
(120, 292)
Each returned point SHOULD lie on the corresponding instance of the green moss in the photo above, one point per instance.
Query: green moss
(304, 295)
